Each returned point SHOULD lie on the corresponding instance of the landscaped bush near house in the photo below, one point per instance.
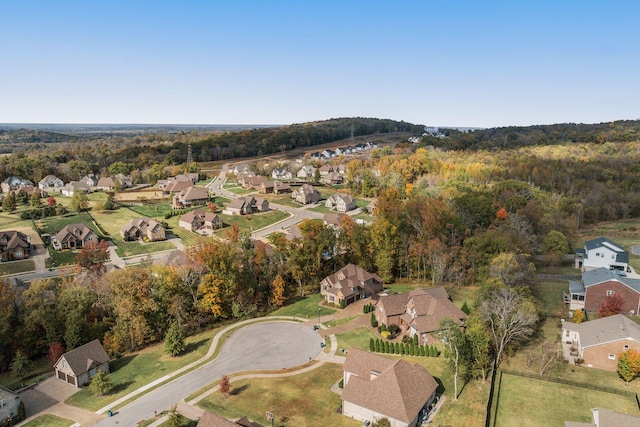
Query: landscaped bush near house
(341, 383)
(394, 329)
(385, 334)
(43, 212)
(382, 346)
(374, 322)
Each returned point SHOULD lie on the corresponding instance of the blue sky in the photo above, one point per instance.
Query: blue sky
(450, 63)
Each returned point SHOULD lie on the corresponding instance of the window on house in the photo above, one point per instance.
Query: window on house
(612, 357)
(626, 347)
(610, 293)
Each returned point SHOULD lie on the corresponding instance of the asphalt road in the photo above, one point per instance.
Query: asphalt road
(262, 346)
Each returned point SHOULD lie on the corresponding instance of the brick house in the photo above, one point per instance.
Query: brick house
(420, 311)
(306, 194)
(75, 236)
(79, 365)
(377, 387)
(199, 219)
(600, 342)
(191, 196)
(350, 284)
(139, 228)
(596, 285)
(341, 202)
(14, 245)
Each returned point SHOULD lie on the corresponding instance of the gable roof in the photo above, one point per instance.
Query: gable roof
(395, 389)
(199, 214)
(15, 239)
(106, 181)
(621, 254)
(394, 304)
(600, 275)
(177, 186)
(194, 193)
(334, 218)
(603, 417)
(77, 230)
(85, 357)
(604, 330)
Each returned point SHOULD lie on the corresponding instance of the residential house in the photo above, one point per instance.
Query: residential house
(14, 183)
(596, 285)
(239, 168)
(244, 178)
(306, 172)
(123, 181)
(332, 178)
(74, 187)
(194, 177)
(79, 365)
(141, 228)
(75, 236)
(602, 417)
(602, 252)
(261, 205)
(294, 233)
(90, 180)
(280, 188)
(371, 207)
(173, 259)
(240, 206)
(601, 341)
(420, 311)
(316, 155)
(325, 170)
(266, 186)
(341, 202)
(14, 245)
(335, 220)
(174, 187)
(50, 182)
(191, 196)
(350, 284)
(281, 173)
(341, 151)
(209, 419)
(9, 407)
(306, 194)
(199, 219)
(106, 183)
(377, 387)
(328, 154)
(30, 189)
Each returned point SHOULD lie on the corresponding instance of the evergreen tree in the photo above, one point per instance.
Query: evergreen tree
(101, 383)
(174, 340)
(465, 308)
(377, 345)
(372, 345)
(9, 202)
(21, 365)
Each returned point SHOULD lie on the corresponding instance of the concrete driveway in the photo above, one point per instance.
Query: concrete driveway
(261, 346)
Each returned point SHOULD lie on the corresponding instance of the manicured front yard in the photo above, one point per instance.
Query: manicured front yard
(357, 338)
(57, 259)
(530, 402)
(49, 420)
(250, 222)
(304, 400)
(54, 224)
(135, 370)
(13, 267)
(304, 308)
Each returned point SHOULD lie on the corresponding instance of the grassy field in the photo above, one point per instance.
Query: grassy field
(303, 400)
(156, 210)
(342, 321)
(9, 221)
(112, 221)
(49, 420)
(13, 267)
(304, 308)
(530, 402)
(137, 369)
(255, 221)
(41, 370)
(235, 188)
(285, 201)
(550, 295)
(357, 338)
(54, 224)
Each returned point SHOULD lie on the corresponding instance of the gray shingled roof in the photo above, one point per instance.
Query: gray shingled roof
(600, 275)
(85, 357)
(604, 330)
(608, 418)
(576, 287)
(621, 254)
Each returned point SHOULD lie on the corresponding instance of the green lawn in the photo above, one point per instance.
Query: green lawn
(8, 221)
(363, 216)
(112, 221)
(304, 399)
(135, 370)
(550, 294)
(530, 402)
(233, 187)
(255, 221)
(49, 420)
(155, 210)
(13, 267)
(304, 308)
(342, 321)
(357, 338)
(286, 201)
(57, 259)
(54, 224)
(41, 370)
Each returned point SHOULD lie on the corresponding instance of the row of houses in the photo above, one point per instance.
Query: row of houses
(344, 151)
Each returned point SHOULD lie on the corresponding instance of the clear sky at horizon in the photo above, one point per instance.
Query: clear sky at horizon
(447, 63)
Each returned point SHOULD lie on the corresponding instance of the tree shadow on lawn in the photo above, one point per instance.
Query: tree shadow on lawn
(193, 346)
(237, 390)
(121, 362)
(117, 388)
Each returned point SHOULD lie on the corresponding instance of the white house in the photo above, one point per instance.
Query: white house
(74, 187)
(278, 173)
(341, 202)
(306, 172)
(49, 182)
(602, 252)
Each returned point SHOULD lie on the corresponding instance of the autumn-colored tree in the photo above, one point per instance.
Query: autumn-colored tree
(578, 316)
(278, 291)
(610, 305)
(629, 365)
(9, 202)
(55, 351)
(502, 214)
(51, 201)
(216, 295)
(34, 200)
(225, 385)
(79, 201)
(212, 207)
(93, 256)
(233, 233)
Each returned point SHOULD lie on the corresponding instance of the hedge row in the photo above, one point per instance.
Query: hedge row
(382, 346)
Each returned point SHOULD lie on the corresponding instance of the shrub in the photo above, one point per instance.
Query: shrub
(394, 329)
(385, 334)
(384, 327)
(415, 339)
(578, 316)
(386, 346)
(377, 344)
(372, 344)
(341, 303)
(341, 383)
(422, 352)
(397, 348)
(406, 339)
(374, 322)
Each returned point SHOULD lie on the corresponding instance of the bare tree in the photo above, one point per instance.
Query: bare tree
(544, 357)
(511, 319)
(454, 340)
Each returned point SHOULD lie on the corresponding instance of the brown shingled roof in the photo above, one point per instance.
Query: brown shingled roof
(85, 357)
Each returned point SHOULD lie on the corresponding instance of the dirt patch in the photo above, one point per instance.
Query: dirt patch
(635, 249)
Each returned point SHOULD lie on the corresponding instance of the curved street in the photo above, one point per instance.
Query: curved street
(260, 346)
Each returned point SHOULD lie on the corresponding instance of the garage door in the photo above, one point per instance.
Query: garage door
(62, 376)
(71, 380)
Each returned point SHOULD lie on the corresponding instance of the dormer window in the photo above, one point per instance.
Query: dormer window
(610, 293)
